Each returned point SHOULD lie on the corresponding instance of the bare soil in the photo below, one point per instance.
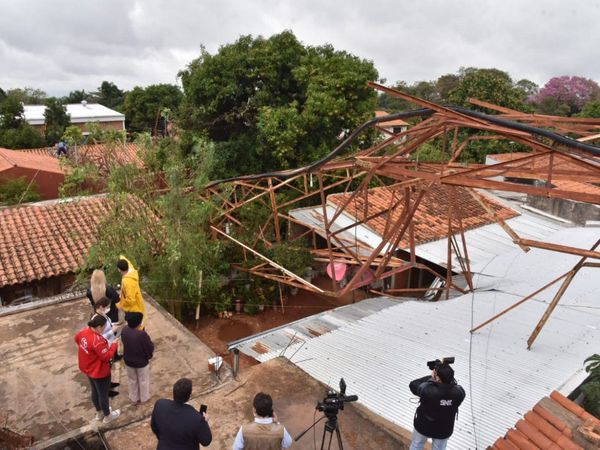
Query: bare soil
(217, 333)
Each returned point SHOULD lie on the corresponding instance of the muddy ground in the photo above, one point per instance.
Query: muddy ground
(216, 333)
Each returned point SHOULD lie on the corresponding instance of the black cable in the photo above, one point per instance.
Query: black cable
(423, 112)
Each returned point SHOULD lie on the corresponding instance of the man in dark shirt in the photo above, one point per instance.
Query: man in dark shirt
(177, 425)
(440, 398)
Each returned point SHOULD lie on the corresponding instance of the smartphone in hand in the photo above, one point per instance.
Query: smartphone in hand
(203, 409)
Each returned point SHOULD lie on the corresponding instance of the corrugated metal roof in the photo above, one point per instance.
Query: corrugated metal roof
(360, 238)
(79, 112)
(278, 341)
(380, 354)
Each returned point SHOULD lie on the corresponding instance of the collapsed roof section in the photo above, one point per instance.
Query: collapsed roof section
(554, 161)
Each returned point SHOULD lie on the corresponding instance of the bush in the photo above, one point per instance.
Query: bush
(591, 389)
(17, 191)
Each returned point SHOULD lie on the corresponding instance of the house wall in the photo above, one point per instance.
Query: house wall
(576, 212)
(48, 182)
(38, 289)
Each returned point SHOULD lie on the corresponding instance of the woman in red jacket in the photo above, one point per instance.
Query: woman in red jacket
(94, 356)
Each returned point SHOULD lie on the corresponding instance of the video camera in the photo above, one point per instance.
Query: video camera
(334, 401)
(437, 363)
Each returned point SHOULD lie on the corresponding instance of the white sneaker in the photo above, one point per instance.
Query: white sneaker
(112, 416)
(99, 415)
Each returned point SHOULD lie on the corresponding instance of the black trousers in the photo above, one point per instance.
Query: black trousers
(100, 387)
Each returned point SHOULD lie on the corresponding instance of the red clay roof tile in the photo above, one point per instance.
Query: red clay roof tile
(51, 238)
(542, 429)
(99, 154)
(14, 158)
(431, 218)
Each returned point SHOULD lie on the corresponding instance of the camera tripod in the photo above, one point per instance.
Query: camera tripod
(332, 425)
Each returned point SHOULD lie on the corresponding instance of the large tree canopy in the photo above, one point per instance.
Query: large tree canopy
(565, 95)
(109, 95)
(56, 120)
(275, 103)
(143, 106)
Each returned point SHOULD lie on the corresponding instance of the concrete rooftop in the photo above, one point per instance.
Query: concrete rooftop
(295, 395)
(42, 391)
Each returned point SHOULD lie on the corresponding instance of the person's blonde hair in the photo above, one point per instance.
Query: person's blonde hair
(98, 284)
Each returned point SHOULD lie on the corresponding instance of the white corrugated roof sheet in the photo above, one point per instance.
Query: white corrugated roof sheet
(380, 354)
(79, 112)
(277, 342)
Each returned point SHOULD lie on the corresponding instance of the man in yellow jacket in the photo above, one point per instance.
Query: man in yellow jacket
(131, 294)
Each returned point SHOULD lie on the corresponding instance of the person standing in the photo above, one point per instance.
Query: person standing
(265, 433)
(98, 289)
(177, 425)
(440, 396)
(131, 299)
(110, 333)
(94, 354)
(137, 352)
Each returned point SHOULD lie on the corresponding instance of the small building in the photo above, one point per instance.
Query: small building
(43, 244)
(42, 169)
(393, 126)
(81, 114)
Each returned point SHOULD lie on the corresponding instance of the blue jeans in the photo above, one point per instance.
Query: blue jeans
(100, 387)
(418, 442)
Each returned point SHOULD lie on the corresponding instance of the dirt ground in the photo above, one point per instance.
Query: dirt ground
(217, 333)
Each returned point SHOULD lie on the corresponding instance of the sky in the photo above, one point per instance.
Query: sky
(64, 45)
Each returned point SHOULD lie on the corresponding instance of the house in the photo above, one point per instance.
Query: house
(42, 169)
(43, 244)
(81, 114)
(393, 126)
(571, 210)
(378, 354)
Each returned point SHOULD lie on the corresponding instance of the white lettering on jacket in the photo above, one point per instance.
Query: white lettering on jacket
(445, 402)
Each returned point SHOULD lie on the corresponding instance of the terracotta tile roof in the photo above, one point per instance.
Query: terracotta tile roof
(564, 162)
(46, 239)
(431, 218)
(43, 162)
(99, 154)
(542, 162)
(555, 423)
(390, 123)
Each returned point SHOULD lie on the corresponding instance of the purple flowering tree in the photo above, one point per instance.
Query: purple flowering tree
(565, 95)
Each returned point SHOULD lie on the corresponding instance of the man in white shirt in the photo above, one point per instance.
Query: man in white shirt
(265, 433)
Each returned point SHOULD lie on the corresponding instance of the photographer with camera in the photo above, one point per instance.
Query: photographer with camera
(265, 433)
(440, 396)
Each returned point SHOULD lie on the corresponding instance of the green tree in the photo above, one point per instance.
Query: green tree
(28, 96)
(590, 109)
(490, 85)
(56, 120)
(274, 103)
(19, 190)
(142, 106)
(11, 113)
(14, 131)
(73, 135)
(76, 97)
(109, 95)
(2, 95)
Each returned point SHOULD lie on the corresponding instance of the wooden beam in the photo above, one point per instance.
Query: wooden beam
(560, 248)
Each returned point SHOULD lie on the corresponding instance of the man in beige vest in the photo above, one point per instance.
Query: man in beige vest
(265, 433)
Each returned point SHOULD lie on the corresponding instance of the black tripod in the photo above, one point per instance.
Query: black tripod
(331, 425)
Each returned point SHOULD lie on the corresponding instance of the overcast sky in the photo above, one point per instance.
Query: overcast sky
(63, 45)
